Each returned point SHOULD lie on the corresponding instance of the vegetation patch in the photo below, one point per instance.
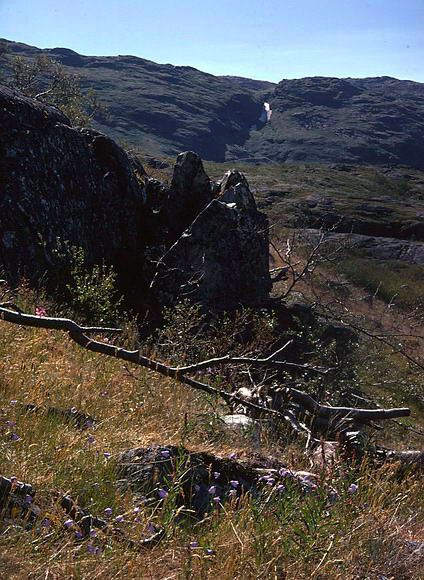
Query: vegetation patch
(336, 520)
(393, 281)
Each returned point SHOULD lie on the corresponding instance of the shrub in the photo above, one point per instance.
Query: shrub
(91, 291)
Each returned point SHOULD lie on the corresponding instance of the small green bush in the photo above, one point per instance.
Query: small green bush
(91, 291)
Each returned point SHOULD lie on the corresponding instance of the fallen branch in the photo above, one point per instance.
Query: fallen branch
(360, 415)
(77, 333)
(65, 324)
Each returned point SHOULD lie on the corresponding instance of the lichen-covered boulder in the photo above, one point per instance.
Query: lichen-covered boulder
(221, 260)
(59, 181)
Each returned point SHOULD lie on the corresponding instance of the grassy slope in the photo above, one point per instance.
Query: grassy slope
(361, 535)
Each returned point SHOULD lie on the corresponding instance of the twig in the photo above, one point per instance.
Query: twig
(269, 362)
(327, 551)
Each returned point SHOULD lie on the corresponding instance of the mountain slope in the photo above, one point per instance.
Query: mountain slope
(319, 119)
(164, 109)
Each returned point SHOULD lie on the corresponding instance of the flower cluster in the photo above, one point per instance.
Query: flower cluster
(278, 480)
(308, 482)
(207, 551)
(9, 428)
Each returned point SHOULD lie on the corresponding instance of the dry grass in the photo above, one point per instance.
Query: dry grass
(382, 372)
(291, 536)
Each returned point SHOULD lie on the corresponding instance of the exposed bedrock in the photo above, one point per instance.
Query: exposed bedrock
(221, 260)
(76, 185)
(60, 182)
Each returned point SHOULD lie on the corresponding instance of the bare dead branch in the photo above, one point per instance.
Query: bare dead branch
(361, 415)
(76, 333)
(11, 305)
(257, 362)
(43, 94)
(46, 322)
(280, 274)
(308, 266)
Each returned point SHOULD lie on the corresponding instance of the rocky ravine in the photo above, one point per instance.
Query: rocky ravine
(164, 109)
(330, 120)
(194, 237)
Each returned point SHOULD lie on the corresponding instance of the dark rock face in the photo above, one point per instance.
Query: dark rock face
(79, 186)
(189, 194)
(68, 183)
(325, 91)
(378, 248)
(222, 259)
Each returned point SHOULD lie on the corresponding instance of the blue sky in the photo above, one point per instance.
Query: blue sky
(263, 39)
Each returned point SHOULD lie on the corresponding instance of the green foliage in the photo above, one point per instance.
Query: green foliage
(47, 81)
(91, 291)
(391, 280)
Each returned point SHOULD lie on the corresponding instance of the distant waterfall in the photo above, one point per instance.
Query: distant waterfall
(266, 113)
(265, 116)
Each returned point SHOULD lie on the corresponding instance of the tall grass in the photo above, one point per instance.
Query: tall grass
(332, 531)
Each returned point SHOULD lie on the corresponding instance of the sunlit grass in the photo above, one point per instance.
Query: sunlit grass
(295, 535)
(392, 281)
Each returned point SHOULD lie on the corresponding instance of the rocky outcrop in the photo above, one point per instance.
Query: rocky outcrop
(68, 184)
(222, 258)
(373, 216)
(65, 183)
(203, 480)
(378, 248)
(189, 194)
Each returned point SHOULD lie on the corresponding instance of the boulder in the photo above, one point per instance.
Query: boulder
(221, 260)
(190, 193)
(197, 477)
(232, 178)
(68, 184)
